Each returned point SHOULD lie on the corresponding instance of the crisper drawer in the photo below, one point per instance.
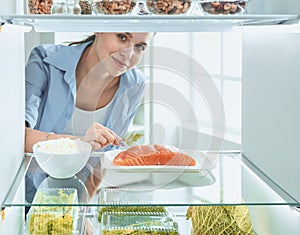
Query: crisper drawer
(199, 219)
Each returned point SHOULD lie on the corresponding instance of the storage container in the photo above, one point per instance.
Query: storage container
(69, 7)
(52, 212)
(39, 6)
(113, 7)
(223, 7)
(86, 7)
(138, 223)
(168, 7)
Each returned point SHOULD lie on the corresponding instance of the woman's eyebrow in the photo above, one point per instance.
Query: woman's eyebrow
(143, 43)
(129, 34)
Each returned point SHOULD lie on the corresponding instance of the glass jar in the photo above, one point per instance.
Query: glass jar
(223, 7)
(86, 7)
(113, 7)
(39, 6)
(70, 7)
(141, 8)
(73, 7)
(168, 7)
(59, 7)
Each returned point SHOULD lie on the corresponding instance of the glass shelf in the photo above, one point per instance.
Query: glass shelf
(233, 180)
(151, 23)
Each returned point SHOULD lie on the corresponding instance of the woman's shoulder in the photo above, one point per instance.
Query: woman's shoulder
(44, 50)
(136, 76)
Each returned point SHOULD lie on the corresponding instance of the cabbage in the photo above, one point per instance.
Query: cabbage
(220, 220)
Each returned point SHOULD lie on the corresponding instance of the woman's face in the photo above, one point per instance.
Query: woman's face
(119, 52)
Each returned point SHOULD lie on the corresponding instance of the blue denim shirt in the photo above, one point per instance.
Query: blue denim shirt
(51, 90)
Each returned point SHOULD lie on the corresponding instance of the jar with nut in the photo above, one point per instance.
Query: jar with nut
(113, 7)
(39, 6)
(86, 7)
(223, 7)
(168, 7)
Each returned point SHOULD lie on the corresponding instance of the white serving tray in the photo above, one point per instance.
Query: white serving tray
(199, 156)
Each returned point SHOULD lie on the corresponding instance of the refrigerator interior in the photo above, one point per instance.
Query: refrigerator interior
(270, 91)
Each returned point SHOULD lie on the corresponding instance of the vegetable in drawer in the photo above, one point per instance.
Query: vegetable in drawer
(218, 220)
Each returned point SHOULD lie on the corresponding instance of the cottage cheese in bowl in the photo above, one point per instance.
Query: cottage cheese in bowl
(62, 158)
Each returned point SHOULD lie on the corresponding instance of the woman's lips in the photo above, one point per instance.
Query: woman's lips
(119, 63)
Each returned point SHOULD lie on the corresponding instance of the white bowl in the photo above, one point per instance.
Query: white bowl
(62, 158)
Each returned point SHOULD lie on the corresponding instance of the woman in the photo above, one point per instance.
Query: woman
(89, 75)
(89, 89)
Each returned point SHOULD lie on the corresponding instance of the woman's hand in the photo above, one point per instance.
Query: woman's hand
(100, 136)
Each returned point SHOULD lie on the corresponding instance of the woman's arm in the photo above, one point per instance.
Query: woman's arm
(97, 135)
(33, 136)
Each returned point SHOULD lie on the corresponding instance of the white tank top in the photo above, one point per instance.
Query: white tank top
(81, 120)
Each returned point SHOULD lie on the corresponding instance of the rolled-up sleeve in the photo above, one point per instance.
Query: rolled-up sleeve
(36, 83)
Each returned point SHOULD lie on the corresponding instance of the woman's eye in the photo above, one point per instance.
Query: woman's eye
(140, 47)
(122, 37)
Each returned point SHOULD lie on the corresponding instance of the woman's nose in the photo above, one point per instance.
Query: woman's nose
(127, 52)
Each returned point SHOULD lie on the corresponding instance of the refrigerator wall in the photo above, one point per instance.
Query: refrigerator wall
(12, 104)
(274, 7)
(271, 111)
(12, 116)
(11, 7)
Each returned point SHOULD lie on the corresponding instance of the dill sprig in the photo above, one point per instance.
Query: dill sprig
(132, 137)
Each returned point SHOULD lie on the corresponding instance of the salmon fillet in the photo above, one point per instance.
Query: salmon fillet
(148, 155)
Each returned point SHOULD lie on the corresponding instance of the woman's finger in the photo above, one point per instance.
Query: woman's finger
(95, 145)
(101, 139)
(110, 137)
(102, 135)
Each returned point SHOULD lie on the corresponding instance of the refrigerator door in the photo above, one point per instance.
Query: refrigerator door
(271, 113)
(12, 105)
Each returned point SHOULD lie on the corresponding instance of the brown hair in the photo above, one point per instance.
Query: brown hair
(88, 39)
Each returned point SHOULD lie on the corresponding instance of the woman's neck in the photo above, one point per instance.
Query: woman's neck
(95, 87)
(88, 69)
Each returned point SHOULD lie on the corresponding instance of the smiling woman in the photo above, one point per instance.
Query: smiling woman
(89, 89)
(87, 76)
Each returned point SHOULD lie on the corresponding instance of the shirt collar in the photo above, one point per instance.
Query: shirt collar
(67, 57)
